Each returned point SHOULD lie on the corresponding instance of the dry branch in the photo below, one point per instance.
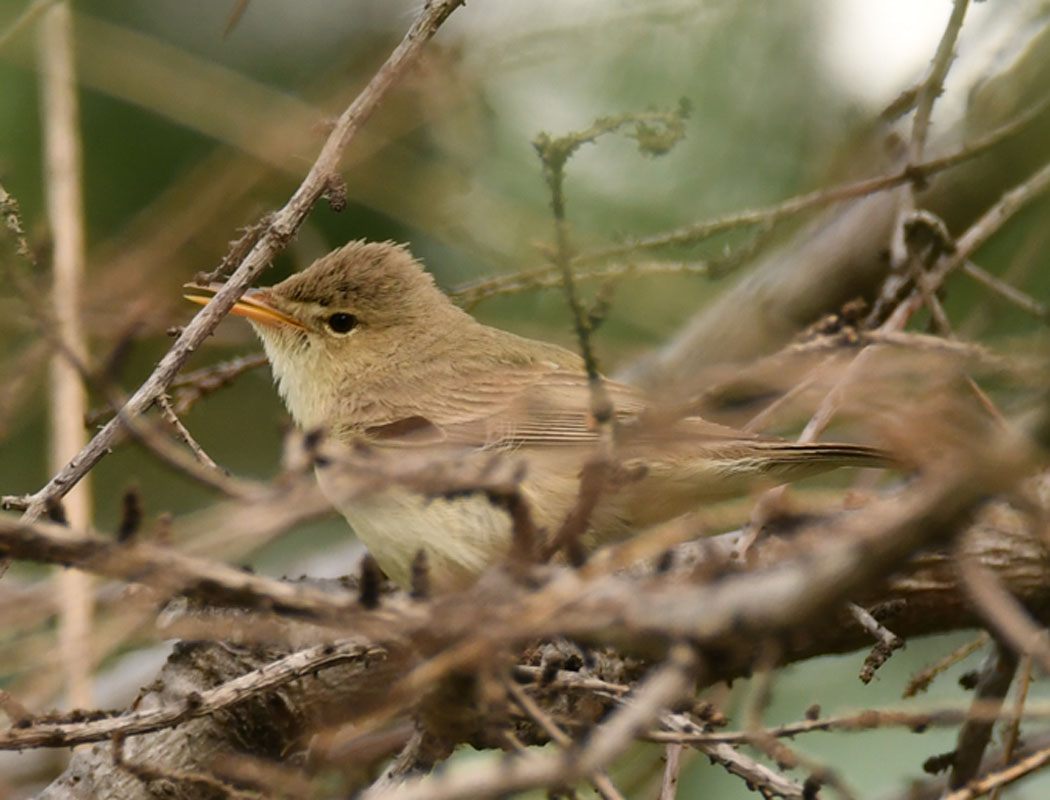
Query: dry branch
(268, 677)
(997, 674)
(240, 720)
(165, 570)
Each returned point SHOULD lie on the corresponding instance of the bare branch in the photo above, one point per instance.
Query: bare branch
(997, 674)
(165, 570)
(887, 641)
(169, 415)
(1002, 777)
(921, 680)
(600, 779)
(197, 704)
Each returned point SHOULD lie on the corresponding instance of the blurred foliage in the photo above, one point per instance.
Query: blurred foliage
(189, 135)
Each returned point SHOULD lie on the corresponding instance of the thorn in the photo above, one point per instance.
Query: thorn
(420, 576)
(131, 515)
(369, 582)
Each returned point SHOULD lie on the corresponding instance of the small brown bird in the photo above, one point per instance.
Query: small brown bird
(364, 345)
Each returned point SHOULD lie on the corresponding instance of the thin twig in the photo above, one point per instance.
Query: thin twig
(470, 294)
(679, 728)
(775, 748)
(190, 387)
(887, 642)
(859, 722)
(169, 415)
(926, 95)
(206, 473)
(933, 84)
(1012, 735)
(1002, 777)
(980, 231)
(997, 674)
(922, 679)
(1011, 294)
(600, 779)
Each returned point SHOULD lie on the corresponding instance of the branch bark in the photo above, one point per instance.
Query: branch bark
(267, 725)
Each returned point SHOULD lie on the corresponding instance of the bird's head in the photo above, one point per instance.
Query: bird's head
(358, 311)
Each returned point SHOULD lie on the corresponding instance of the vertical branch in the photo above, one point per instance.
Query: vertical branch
(928, 91)
(554, 159)
(68, 395)
(1012, 734)
(997, 673)
(595, 473)
(656, 132)
(672, 768)
(933, 84)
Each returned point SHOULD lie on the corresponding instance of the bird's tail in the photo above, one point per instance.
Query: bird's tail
(818, 457)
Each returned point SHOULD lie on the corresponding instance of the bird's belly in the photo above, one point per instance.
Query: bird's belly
(460, 536)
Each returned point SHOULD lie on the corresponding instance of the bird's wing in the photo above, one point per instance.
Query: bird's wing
(539, 404)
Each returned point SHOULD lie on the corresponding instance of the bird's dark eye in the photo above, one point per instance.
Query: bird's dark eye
(342, 322)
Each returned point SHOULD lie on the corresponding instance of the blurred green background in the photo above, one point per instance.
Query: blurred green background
(190, 133)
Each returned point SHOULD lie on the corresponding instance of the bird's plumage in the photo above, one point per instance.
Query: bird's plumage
(417, 370)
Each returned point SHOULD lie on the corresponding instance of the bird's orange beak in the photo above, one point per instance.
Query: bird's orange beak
(253, 305)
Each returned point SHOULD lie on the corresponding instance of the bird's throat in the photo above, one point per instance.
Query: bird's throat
(305, 386)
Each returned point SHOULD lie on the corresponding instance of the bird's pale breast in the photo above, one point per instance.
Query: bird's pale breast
(460, 536)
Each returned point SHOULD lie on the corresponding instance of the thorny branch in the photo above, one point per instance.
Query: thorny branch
(31, 733)
(997, 674)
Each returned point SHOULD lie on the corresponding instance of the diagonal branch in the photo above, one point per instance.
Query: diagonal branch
(280, 228)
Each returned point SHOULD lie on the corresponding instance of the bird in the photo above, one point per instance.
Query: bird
(365, 346)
